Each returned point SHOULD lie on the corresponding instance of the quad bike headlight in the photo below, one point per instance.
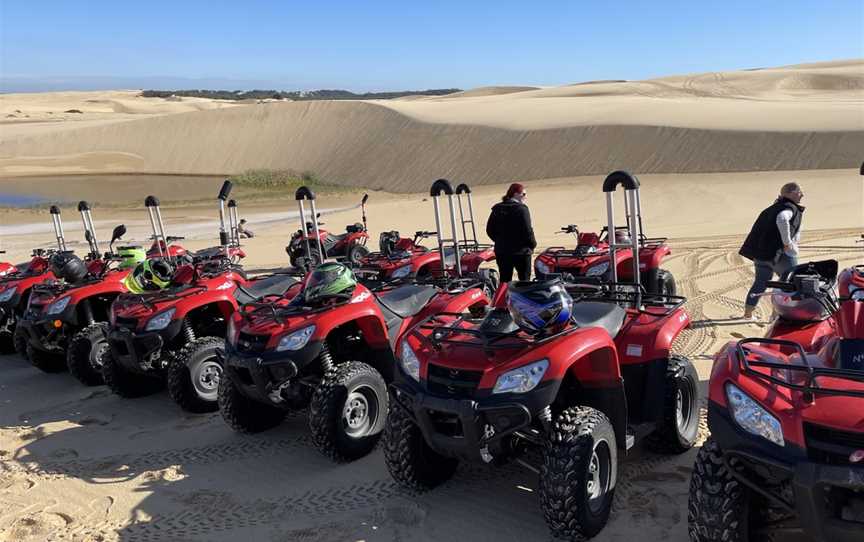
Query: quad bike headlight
(58, 306)
(522, 379)
(752, 417)
(857, 295)
(7, 294)
(296, 340)
(541, 267)
(409, 362)
(160, 321)
(598, 269)
(401, 272)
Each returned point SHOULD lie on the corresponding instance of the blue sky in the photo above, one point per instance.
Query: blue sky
(368, 45)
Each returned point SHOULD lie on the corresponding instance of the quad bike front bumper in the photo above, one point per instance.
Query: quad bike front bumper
(261, 375)
(470, 428)
(46, 335)
(140, 352)
(826, 497)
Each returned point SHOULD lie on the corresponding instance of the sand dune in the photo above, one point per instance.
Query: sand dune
(795, 117)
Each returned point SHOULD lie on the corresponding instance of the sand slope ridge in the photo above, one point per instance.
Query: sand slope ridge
(809, 117)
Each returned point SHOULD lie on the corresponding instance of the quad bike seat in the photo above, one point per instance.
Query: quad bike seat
(256, 289)
(599, 314)
(401, 303)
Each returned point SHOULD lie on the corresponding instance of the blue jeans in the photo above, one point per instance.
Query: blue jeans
(765, 270)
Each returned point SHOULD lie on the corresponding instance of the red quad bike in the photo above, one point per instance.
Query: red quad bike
(15, 289)
(62, 314)
(808, 320)
(401, 257)
(786, 452)
(172, 335)
(331, 353)
(590, 256)
(315, 242)
(581, 390)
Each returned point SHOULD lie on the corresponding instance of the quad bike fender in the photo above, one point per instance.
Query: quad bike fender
(784, 404)
(472, 261)
(651, 337)
(652, 258)
(425, 260)
(850, 319)
(454, 303)
(225, 305)
(588, 355)
(366, 316)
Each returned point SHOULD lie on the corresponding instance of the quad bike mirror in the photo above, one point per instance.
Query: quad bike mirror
(119, 231)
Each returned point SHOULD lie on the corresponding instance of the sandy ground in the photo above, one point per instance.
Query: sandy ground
(81, 464)
(711, 151)
(796, 117)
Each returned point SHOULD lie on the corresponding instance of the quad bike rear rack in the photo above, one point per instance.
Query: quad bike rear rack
(810, 387)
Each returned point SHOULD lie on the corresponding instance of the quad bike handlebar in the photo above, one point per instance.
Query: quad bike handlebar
(569, 228)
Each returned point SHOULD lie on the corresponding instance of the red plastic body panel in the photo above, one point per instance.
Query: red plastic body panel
(647, 337)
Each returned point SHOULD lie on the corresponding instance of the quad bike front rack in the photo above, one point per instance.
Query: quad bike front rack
(58, 228)
(89, 229)
(302, 194)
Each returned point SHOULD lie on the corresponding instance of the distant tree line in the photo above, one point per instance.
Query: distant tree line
(295, 95)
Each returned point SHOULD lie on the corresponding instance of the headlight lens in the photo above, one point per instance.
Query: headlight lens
(296, 340)
(7, 294)
(752, 417)
(410, 363)
(160, 321)
(523, 379)
(857, 295)
(541, 268)
(58, 306)
(598, 269)
(401, 272)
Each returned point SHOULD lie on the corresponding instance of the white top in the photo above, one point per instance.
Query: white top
(784, 219)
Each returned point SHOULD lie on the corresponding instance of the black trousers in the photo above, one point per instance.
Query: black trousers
(508, 262)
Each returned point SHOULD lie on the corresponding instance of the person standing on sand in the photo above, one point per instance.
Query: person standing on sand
(243, 231)
(772, 243)
(509, 227)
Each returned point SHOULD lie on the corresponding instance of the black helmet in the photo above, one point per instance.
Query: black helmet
(69, 267)
(387, 242)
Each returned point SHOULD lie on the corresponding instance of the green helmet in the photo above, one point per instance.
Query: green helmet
(327, 280)
(149, 276)
(131, 256)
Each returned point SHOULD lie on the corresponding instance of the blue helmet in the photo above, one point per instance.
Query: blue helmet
(537, 306)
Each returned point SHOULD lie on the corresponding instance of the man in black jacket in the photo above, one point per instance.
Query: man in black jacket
(772, 243)
(509, 227)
